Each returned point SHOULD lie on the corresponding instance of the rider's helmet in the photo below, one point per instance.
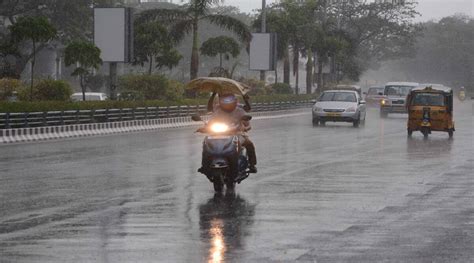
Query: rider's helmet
(228, 102)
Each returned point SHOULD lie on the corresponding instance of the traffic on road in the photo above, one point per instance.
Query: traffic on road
(331, 193)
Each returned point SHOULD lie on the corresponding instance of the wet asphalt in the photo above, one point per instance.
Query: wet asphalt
(322, 194)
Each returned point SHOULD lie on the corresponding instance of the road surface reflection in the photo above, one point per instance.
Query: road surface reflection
(224, 222)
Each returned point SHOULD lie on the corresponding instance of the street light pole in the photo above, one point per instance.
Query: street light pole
(263, 30)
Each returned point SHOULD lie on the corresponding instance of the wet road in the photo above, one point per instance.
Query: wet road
(325, 194)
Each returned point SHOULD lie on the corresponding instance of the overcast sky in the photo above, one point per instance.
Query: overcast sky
(430, 9)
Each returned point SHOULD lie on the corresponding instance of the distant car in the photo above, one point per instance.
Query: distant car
(395, 95)
(90, 96)
(339, 106)
(374, 96)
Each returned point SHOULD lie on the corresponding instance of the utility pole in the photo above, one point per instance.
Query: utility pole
(263, 30)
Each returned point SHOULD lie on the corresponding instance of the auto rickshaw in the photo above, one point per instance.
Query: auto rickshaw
(430, 109)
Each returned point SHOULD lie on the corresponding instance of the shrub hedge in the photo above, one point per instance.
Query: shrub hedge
(40, 106)
(151, 87)
(48, 89)
(8, 87)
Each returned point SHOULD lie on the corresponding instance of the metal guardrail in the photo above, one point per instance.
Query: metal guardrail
(58, 118)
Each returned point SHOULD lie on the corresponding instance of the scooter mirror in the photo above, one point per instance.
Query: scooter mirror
(196, 118)
(246, 118)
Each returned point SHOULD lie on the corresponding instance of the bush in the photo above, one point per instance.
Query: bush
(130, 96)
(281, 88)
(8, 88)
(48, 90)
(152, 87)
(40, 106)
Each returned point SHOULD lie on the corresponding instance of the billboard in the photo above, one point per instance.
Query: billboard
(263, 51)
(113, 34)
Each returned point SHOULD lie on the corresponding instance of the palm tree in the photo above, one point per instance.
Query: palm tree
(186, 20)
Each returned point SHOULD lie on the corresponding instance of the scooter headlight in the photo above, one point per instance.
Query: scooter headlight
(219, 127)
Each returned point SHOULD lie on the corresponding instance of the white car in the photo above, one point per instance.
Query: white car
(90, 96)
(395, 94)
(339, 106)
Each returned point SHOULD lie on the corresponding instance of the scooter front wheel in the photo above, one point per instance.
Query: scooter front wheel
(230, 184)
(425, 132)
(218, 181)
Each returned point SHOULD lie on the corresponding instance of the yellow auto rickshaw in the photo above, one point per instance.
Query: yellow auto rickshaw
(430, 109)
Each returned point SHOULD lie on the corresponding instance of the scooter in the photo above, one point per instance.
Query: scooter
(225, 160)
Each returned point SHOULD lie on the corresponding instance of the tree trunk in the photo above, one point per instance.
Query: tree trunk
(286, 67)
(150, 68)
(320, 74)
(315, 66)
(296, 68)
(195, 52)
(220, 60)
(33, 61)
(297, 88)
(309, 72)
(83, 89)
(276, 72)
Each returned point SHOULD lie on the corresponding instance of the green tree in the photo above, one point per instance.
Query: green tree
(222, 46)
(154, 44)
(36, 30)
(73, 19)
(87, 56)
(376, 31)
(289, 17)
(186, 20)
(8, 51)
(444, 54)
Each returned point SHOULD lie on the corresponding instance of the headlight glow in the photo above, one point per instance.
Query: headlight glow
(383, 102)
(219, 127)
(351, 109)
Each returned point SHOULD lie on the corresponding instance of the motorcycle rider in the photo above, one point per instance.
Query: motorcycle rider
(228, 110)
